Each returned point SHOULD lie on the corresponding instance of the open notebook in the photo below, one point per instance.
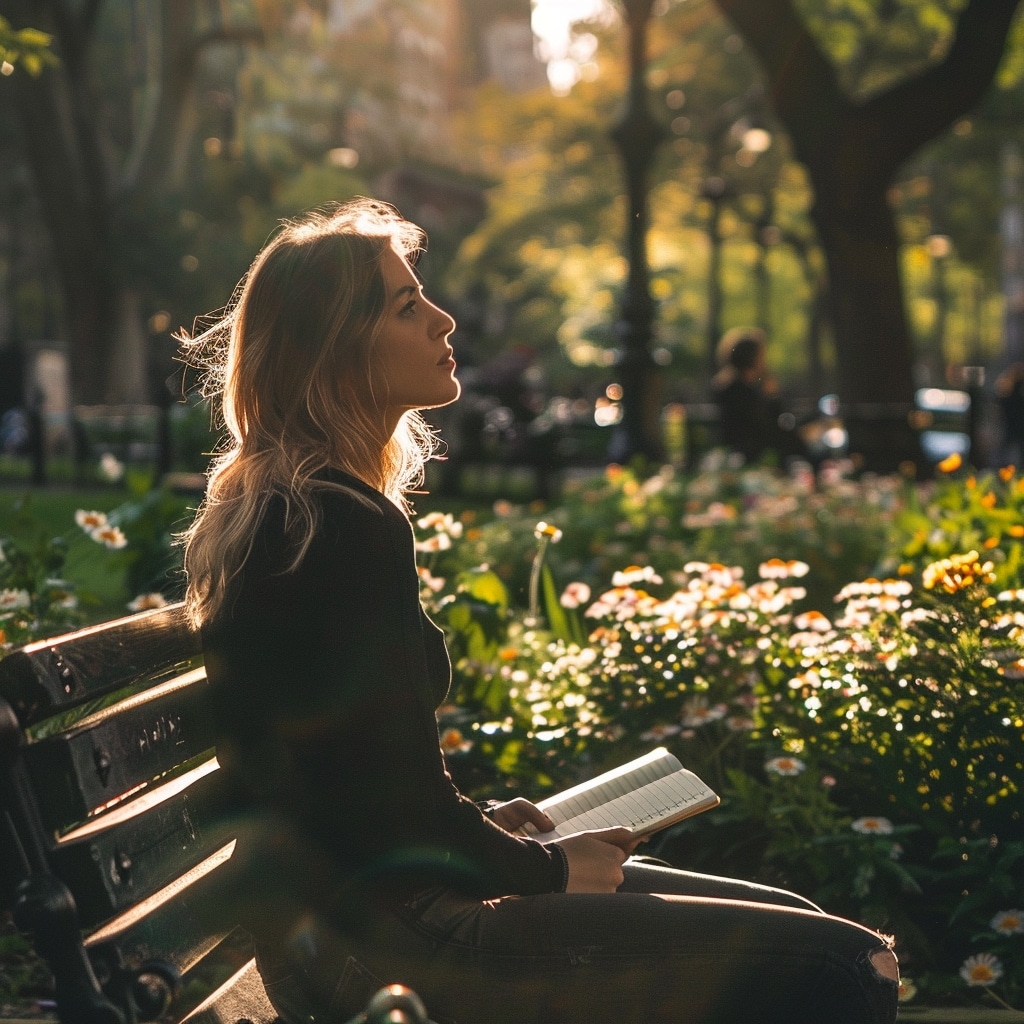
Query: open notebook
(645, 795)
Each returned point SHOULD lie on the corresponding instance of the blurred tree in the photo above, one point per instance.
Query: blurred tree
(106, 134)
(860, 89)
(546, 266)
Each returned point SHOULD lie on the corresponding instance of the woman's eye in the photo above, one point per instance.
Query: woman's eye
(409, 308)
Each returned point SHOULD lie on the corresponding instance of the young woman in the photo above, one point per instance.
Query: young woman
(363, 863)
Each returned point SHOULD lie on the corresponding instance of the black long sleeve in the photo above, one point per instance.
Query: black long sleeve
(326, 679)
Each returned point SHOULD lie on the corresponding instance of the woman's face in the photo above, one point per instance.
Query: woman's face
(412, 347)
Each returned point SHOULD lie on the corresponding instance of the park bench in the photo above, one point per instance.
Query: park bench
(116, 831)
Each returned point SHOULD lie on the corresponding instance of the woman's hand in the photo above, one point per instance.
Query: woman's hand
(513, 815)
(596, 858)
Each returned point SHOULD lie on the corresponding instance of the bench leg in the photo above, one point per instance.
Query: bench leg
(45, 907)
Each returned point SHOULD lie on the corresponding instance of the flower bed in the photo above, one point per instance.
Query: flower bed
(869, 747)
(841, 659)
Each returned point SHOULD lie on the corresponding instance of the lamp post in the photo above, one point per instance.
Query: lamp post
(714, 190)
(939, 248)
(637, 135)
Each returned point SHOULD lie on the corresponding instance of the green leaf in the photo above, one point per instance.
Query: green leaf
(558, 622)
(484, 585)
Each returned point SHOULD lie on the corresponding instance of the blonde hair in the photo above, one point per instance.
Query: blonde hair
(292, 360)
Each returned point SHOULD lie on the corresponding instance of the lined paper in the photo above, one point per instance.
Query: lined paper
(647, 794)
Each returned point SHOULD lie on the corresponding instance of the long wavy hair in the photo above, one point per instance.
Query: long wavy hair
(292, 361)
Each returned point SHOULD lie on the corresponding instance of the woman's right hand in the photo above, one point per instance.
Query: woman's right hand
(596, 858)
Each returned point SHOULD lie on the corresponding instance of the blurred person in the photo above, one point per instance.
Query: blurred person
(750, 414)
(363, 863)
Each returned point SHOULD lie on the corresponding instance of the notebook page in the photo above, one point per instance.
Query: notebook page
(640, 808)
(653, 765)
(573, 804)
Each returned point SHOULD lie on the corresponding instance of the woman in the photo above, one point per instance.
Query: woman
(365, 865)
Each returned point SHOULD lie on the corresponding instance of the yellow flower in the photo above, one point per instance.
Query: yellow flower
(958, 572)
(951, 463)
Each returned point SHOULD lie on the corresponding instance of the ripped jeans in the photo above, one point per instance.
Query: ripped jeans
(703, 950)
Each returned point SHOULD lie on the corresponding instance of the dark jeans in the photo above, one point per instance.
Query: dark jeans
(704, 950)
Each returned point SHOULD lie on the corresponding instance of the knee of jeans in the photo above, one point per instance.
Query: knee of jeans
(885, 963)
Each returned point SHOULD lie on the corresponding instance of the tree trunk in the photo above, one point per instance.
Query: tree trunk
(852, 150)
(875, 371)
(82, 180)
(77, 225)
(128, 383)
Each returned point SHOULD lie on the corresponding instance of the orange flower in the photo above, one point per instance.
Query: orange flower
(453, 742)
(988, 500)
(1006, 473)
(951, 463)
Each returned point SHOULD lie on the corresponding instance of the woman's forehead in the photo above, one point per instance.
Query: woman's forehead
(397, 271)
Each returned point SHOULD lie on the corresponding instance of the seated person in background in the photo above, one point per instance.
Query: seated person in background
(746, 396)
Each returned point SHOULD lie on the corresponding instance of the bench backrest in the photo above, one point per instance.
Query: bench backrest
(114, 829)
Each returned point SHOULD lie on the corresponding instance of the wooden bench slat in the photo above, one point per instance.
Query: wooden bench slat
(118, 749)
(112, 867)
(173, 927)
(241, 997)
(51, 675)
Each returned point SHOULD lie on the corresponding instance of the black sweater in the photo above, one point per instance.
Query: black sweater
(325, 683)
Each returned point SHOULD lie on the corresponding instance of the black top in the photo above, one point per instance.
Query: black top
(747, 423)
(325, 682)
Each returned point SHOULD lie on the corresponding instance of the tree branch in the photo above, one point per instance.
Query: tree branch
(918, 109)
(801, 81)
(152, 158)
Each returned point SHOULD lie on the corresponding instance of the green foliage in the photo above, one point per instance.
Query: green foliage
(151, 559)
(27, 48)
(34, 598)
(870, 757)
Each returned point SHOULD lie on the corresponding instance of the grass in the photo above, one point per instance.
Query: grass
(99, 577)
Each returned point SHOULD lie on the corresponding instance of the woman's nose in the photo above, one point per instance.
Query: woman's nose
(444, 322)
